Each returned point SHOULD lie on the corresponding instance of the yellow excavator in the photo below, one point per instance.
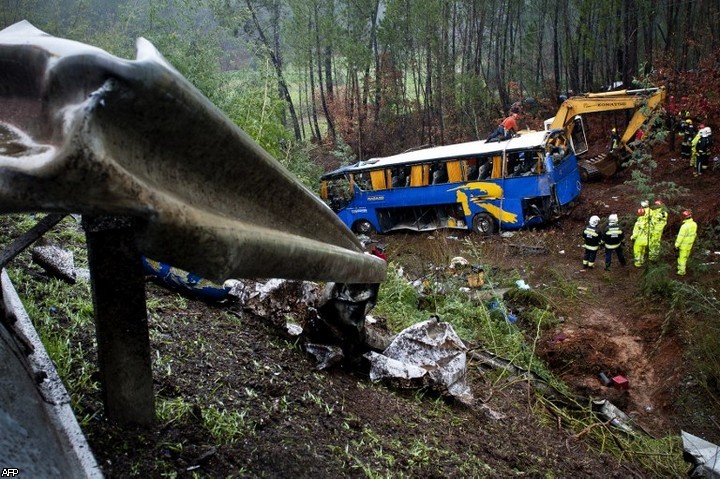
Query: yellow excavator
(643, 101)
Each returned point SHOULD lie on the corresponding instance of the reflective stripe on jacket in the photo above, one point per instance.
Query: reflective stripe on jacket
(592, 237)
(613, 237)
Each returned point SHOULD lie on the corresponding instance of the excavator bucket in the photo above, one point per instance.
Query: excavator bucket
(602, 166)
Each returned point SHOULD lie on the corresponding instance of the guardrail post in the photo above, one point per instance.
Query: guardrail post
(123, 341)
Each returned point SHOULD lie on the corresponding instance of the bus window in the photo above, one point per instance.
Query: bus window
(454, 171)
(470, 169)
(336, 192)
(497, 167)
(485, 169)
(378, 180)
(439, 173)
(400, 177)
(537, 162)
(362, 180)
(522, 163)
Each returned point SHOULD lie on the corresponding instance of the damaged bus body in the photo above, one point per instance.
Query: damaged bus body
(483, 186)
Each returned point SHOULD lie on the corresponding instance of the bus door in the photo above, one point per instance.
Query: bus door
(566, 174)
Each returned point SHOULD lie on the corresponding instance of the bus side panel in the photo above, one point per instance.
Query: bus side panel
(489, 197)
(567, 180)
(353, 213)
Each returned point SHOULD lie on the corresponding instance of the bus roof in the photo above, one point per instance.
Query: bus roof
(525, 141)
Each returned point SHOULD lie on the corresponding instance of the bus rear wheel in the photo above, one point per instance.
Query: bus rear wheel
(363, 227)
(484, 224)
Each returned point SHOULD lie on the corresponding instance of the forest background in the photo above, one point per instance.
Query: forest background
(317, 82)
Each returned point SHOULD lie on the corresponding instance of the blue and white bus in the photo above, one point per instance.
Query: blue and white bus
(484, 186)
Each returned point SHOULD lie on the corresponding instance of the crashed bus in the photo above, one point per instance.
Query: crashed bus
(480, 186)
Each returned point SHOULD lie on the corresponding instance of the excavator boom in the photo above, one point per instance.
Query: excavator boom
(643, 101)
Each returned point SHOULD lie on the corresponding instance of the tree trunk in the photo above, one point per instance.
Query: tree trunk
(277, 63)
(631, 47)
(323, 102)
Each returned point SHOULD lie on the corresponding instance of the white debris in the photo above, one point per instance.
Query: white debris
(427, 353)
(706, 456)
(56, 261)
(458, 261)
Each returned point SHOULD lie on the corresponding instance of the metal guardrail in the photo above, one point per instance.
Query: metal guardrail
(89, 133)
(155, 169)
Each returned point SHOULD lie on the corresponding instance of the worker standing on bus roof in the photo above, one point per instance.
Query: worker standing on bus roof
(685, 239)
(687, 132)
(614, 240)
(592, 238)
(640, 236)
(658, 220)
(505, 130)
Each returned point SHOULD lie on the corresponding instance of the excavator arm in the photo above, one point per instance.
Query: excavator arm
(643, 101)
(609, 101)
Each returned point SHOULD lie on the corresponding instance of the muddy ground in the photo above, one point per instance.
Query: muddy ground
(238, 397)
(296, 421)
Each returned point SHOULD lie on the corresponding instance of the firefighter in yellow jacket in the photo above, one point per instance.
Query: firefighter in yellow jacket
(641, 237)
(685, 239)
(658, 220)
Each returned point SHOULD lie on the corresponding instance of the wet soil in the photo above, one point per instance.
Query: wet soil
(237, 397)
(301, 422)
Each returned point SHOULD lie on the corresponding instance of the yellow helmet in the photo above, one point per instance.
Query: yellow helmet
(688, 121)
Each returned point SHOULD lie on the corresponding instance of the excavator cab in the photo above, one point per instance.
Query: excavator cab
(578, 138)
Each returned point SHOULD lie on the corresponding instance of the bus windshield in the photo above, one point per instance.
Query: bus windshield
(484, 187)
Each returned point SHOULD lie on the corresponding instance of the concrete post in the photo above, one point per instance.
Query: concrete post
(123, 341)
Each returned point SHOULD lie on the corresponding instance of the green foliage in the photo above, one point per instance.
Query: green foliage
(226, 426)
(660, 457)
(643, 165)
(656, 281)
(296, 158)
(344, 153)
(398, 301)
(697, 310)
(711, 232)
(172, 410)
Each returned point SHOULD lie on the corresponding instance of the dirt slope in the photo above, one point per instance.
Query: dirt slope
(299, 422)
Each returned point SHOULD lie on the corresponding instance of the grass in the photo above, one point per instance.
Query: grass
(485, 323)
(63, 317)
(226, 426)
(661, 457)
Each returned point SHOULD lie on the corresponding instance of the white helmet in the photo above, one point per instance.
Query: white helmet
(594, 220)
(644, 203)
(613, 219)
(705, 132)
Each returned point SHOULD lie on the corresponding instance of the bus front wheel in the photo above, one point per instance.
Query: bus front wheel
(484, 224)
(363, 227)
